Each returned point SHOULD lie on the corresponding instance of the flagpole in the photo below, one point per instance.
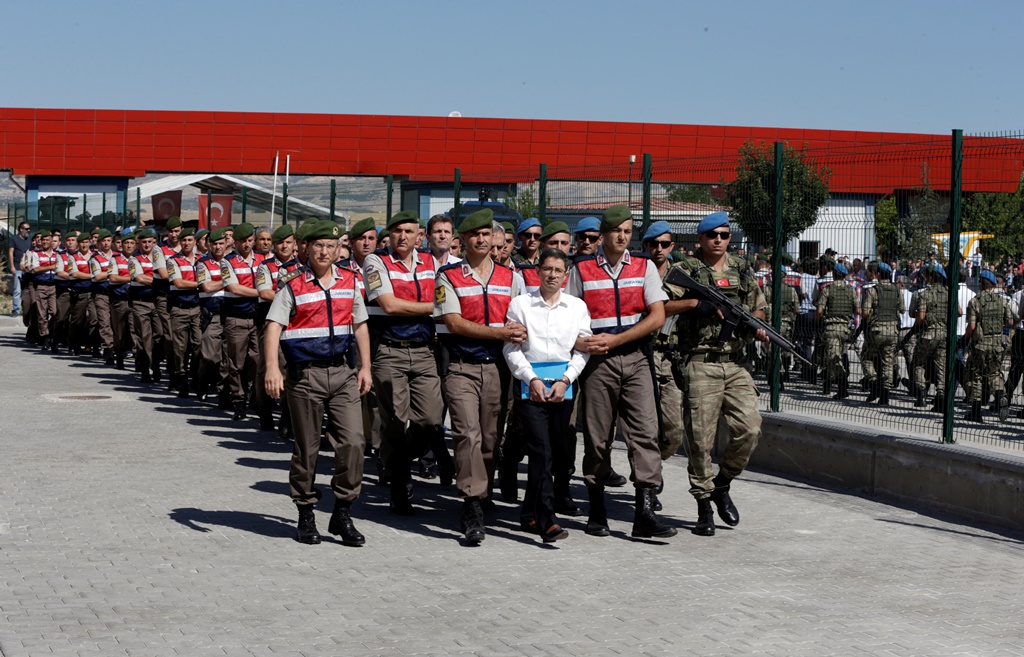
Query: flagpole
(273, 195)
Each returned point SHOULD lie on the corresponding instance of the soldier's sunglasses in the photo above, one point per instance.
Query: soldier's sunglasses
(589, 238)
(662, 243)
(720, 234)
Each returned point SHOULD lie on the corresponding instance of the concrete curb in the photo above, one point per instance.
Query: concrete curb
(969, 482)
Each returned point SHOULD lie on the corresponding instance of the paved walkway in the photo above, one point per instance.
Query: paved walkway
(142, 525)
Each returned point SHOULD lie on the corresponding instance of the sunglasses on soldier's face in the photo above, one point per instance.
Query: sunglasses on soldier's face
(590, 238)
(720, 234)
(661, 243)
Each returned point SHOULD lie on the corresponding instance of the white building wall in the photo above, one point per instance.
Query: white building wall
(844, 224)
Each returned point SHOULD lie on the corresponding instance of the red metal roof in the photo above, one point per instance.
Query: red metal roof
(86, 142)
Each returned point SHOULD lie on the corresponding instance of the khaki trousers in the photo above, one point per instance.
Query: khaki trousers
(311, 392)
(101, 305)
(46, 307)
(162, 343)
(713, 390)
(144, 317)
(60, 324)
(186, 338)
(78, 328)
(240, 354)
(620, 385)
(474, 403)
(120, 323)
(671, 405)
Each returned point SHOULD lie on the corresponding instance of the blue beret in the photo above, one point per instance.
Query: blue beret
(656, 229)
(532, 222)
(986, 275)
(713, 221)
(840, 268)
(587, 223)
(884, 267)
(938, 269)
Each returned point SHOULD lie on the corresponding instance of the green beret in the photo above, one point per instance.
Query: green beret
(300, 234)
(42, 233)
(614, 217)
(282, 233)
(187, 232)
(144, 234)
(201, 233)
(361, 227)
(217, 234)
(403, 217)
(103, 234)
(476, 220)
(787, 259)
(71, 233)
(762, 257)
(129, 236)
(830, 261)
(509, 228)
(244, 231)
(173, 222)
(554, 228)
(323, 230)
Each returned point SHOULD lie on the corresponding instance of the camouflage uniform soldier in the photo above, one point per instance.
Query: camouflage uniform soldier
(932, 305)
(789, 308)
(714, 381)
(837, 304)
(880, 309)
(987, 315)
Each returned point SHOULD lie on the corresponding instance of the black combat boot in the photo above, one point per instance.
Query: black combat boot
(827, 389)
(266, 419)
(183, 387)
(615, 480)
(919, 400)
(597, 520)
(1002, 406)
(239, 411)
(307, 532)
(727, 511)
(938, 403)
(473, 522)
(119, 360)
(883, 399)
(843, 391)
(705, 518)
(872, 391)
(341, 525)
(975, 414)
(645, 521)
(157, 375)
(400, 504)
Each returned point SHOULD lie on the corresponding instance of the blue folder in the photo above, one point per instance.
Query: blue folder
(548, 373)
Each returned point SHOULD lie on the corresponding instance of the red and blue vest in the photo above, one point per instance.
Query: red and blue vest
(187, 270)
(162, 285)
(236, 306)
(139, 291)
(320, 327)
(104, 263)
(80, 263)
(531, 278)
(45, 260)
(120, 267)
(615, 304)
(275, 267)
(486, 305)
(416, 285)
(211, 301)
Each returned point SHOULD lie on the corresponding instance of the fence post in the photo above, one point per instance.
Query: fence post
(953, 279)
(138, 205)
(209, 210)
(245, 203)
(85, 202)
(776, 364)
(334, 196)
(284, 203)
(648, 173)
(542, 205)
(391, 187)
(458, 196)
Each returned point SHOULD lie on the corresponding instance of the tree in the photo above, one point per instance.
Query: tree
(1001, 215)
(752, 195)
(689, 193)
(524, 201)
(929, 214)
(887, 226)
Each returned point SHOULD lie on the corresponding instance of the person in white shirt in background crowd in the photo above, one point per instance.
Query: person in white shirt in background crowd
(963, 297)
(907, 320)
(553, 321)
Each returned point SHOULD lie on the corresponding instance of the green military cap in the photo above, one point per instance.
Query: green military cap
(186, 232)
(324, 230)
(129, 236)
(244, 231)
(554, 228)
(361, 227)
(103, 234)
(145, 233)
(787, 259)
(201, 233)
(282, 233)
(300, 234)
(217, 234)
(403, 217)
(476, 220)
(71, 233)
(42, 233)
(614, 217)
(173, 222)
(509, 228)
(762, 257)
(830, 261)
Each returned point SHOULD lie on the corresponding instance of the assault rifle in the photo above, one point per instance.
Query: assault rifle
(734, 314)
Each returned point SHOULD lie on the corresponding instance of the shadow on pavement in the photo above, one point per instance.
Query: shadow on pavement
(257, 523)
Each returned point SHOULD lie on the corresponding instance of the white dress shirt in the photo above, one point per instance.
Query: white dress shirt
(551, 332)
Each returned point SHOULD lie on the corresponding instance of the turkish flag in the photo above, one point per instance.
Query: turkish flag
(220, 211)
(166, 205)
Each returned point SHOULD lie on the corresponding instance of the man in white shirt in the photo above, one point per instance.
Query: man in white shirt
(553, 321)
(440, 230)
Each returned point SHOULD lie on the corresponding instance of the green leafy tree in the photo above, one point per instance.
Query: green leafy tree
(887, 226)
(1000, 215)
(689, 193)
(524, 201)
(929, 214)
(752, 195)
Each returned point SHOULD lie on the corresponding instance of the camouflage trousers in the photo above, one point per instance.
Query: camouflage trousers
(834, 339)
(985, 365)
(671, 405)
(711, 390)
(880, 343)
(930, 350)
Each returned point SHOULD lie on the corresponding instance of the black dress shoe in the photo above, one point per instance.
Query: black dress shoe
(341, 525)
(428, 469)
(565, 506)
(528, 525)
(554, 533)
(615, 480)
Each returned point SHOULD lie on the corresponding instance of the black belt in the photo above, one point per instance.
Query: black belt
(714, 357)
(472, 361)
(337, 361)
(404, 344)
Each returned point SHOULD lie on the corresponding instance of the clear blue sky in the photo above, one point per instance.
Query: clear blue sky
(893, 66)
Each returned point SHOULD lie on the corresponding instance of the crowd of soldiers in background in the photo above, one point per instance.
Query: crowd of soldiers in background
(887, 310)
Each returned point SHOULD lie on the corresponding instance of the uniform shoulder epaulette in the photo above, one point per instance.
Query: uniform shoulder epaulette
(381, 252)
(345, 263)
(345, 267)
(290, 275)
(454, 265)
(584, 258)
